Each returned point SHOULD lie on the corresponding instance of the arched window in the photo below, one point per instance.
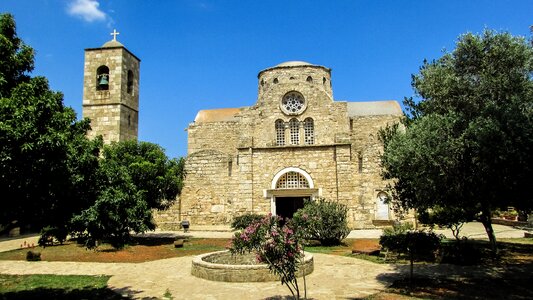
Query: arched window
(294, 128)
(309, 79)
(280, 132)
(276, 80)
(292, 180)
(102, 78)
(130, 82)
(309, 131)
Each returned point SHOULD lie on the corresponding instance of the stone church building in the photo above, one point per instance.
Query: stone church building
(295, 143)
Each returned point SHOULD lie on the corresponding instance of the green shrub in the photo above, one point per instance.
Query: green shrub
(398, 228)
(33, 256)
(49, 234)
(460, 252)
(243, 221)
(323, 220)
(418, 245)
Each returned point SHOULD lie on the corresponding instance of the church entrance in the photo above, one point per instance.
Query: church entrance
(287, 206)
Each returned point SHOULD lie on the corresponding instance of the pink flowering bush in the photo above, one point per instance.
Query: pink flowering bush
(275, 245)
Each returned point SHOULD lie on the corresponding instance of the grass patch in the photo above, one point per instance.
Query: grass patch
(55, 287)
(144, 249)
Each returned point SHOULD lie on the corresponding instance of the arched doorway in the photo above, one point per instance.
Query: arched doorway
(290, 188)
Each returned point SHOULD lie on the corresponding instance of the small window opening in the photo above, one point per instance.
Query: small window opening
(276, 80)
(129, 120)
(351, 124)
(229, 168)
(130, 82)
(262, 82)
(294, 127)
(324, 80)
(309, 131)
(309, 79)
(360, 163)
(102, 78)
(291, 78)
(280, 133)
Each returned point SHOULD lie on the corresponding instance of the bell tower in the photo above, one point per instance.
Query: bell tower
(111, 91)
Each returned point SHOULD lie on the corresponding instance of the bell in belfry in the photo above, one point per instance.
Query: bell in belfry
(103, 81)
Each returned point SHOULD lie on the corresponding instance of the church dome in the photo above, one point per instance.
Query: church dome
(294, 63)
(112, 43)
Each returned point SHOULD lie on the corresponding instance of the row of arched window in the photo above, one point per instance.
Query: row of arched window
(292, 132)
(103, 79)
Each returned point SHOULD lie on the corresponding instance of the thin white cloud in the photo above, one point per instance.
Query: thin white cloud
(87, 10)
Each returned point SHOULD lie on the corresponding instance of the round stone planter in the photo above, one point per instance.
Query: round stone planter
(208, 266)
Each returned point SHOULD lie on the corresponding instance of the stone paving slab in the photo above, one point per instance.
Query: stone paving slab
(335, 277)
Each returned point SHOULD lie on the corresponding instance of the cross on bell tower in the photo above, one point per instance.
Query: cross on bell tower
(114, 34)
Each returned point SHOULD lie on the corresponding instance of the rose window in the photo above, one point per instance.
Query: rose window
(293, 103)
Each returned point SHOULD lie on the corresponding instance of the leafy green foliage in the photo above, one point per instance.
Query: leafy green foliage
(452, 218)
(469, 142)
(324, 221)
(16, 58)
(243, 221)
(45, 159)
(135, 177)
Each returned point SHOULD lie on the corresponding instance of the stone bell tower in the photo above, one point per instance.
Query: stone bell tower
(111, 91)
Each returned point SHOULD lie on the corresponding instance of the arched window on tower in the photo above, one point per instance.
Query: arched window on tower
(280, 133)
(129, 88)
(102, 78)
(294, 128)
(309, 131)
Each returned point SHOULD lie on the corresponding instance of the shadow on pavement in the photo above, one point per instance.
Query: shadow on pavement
(445, 281)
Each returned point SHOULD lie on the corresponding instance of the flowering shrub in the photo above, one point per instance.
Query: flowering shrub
(278, 246)
(324, 221)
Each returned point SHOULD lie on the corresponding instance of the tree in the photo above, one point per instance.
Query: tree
(135, 177)
(469, 142)
(46, 163)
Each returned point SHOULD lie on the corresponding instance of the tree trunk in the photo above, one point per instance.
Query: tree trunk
(411, 259)
(487, 222)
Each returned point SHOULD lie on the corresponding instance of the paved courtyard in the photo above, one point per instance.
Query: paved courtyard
(334, 277)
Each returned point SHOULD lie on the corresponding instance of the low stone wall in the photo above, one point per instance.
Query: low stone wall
(240, 273)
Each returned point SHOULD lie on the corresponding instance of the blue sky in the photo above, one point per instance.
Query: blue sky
(203, 54)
